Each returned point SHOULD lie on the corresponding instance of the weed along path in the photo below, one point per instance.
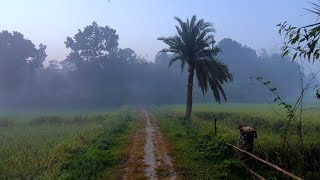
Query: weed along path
(148, 155)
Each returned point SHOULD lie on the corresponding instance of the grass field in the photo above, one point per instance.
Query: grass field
(48, 146)
(95, 144)
(196, 154)
(269, 125)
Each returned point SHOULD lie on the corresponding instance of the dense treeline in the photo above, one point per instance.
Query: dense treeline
(97, 73)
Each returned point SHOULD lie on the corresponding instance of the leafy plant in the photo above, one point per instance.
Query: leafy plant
(293, 114)
(302, 41)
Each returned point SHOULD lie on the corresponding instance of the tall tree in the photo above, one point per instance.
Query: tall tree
(92, 44)
(194, 45)
(18, 59)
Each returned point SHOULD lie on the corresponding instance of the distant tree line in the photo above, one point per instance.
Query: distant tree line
(97, 73)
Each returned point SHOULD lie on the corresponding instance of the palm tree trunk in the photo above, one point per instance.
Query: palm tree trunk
(189, 92)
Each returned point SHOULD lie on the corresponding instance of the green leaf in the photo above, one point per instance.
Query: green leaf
(309, 55)
(301, 40)
(295, 39)
(294, 56)
(291, 35)
(316, 52)
(285, 53)
(313, 33)
(313, 44)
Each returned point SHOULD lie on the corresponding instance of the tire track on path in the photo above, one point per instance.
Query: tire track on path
(148, 154)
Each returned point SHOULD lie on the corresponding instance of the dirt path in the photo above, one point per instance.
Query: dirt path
(148, 154)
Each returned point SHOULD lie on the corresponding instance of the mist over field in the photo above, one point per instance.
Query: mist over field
(98, 73)
(101, 77)
(116, 89)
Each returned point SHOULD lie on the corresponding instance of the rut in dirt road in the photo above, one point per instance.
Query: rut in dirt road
(148, 155)
(149, 150)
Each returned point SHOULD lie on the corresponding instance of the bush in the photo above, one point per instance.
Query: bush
(58, 120)
(6, 122)
(42, 120)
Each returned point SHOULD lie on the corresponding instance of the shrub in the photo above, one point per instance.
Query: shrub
(6, 122)
(42, 120)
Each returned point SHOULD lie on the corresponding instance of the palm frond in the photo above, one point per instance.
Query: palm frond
(183, 25)
(222, 91)
(201, 74)
(193, 21)
(215, 90)
(183, 63)
(194, 45)
(176, 58)
(173, 60)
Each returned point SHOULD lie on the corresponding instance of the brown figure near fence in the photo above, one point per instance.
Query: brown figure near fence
(247, 135)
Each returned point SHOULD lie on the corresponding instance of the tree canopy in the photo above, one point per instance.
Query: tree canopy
(123, 77)
(193, 45)
(92, 44)
(18, 59)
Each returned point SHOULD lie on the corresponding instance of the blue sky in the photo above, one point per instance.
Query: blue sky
(140, 22)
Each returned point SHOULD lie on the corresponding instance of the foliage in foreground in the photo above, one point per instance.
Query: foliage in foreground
(103, 157)
(270, 128)
(302, 41)
(45, 146)
(28, 152)
(197, 154)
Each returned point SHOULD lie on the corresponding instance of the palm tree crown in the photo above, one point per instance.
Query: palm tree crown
(194, 45)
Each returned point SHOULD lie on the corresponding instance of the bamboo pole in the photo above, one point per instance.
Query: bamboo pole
(267, 163)
(258, 176)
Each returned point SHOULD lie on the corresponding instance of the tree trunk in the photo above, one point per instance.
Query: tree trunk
(189, 93)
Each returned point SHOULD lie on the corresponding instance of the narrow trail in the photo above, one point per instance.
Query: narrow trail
(148, 152)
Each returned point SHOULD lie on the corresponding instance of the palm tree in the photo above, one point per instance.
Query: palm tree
(194, 45)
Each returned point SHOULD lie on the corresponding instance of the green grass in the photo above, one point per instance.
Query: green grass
(197, 154)
(103, 156)
(270, 128)
(44, 146)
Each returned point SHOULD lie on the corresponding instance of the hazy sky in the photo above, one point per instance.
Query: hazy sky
(140, 22)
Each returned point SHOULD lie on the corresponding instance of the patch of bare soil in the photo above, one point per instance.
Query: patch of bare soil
(148, 154)
(149, 150)
(165, 168)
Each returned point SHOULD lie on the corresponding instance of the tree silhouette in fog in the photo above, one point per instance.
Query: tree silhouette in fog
(92, 44)
(19, 58)
(103, 75)
(193, 45)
